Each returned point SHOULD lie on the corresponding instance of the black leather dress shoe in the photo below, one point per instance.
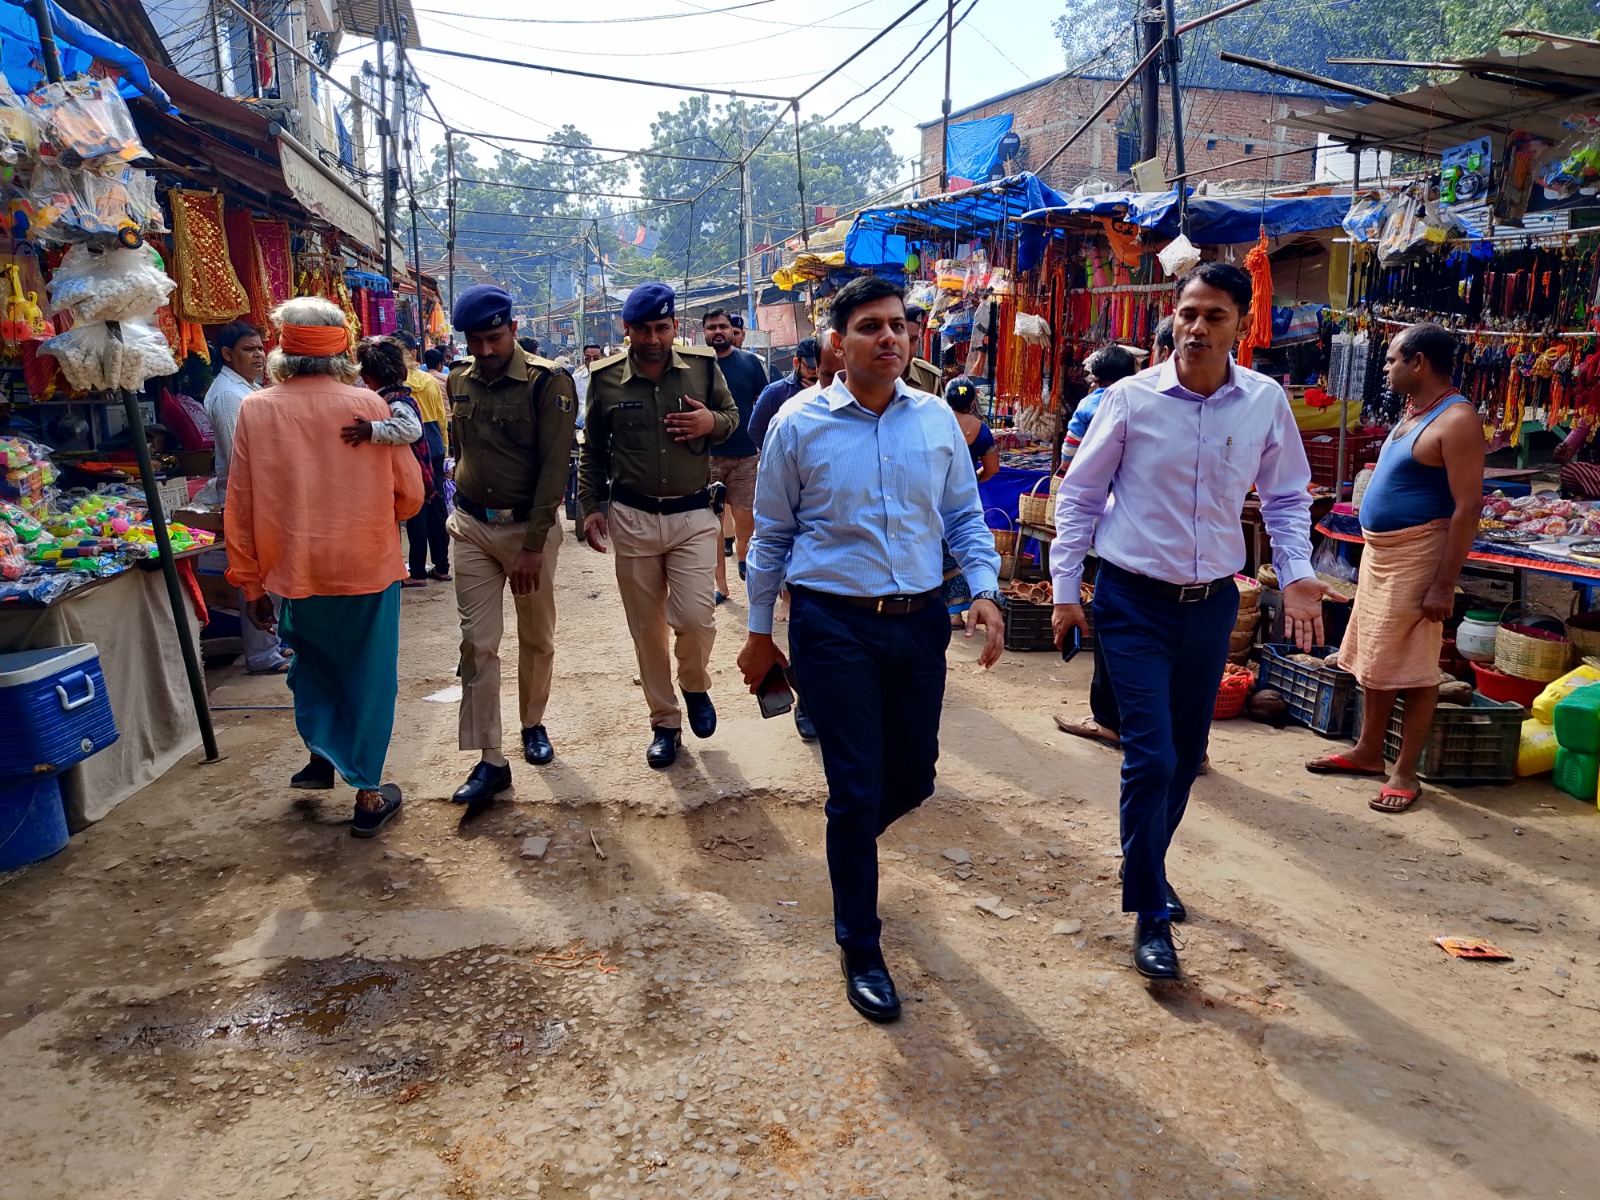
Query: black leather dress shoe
(802, 722)
(702, 713)
(868, 987)
(1175, 909)
(536, 747)
(1154, 955)
(485, 783)
(315, 776)
(663, 750)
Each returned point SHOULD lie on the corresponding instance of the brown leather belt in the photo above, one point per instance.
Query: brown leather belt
(883, 606)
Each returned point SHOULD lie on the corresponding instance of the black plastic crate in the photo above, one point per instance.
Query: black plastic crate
(1322, 699)
(1476, 744)
(1028, 626)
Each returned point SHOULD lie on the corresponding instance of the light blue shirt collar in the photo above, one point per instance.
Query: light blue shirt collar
(839, 396)
(1169, 383)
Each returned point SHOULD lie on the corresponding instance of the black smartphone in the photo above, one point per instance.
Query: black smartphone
(1070, 646)
(775, 694)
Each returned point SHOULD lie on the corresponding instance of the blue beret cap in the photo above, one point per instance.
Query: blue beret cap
(482, 306)
(649, 302)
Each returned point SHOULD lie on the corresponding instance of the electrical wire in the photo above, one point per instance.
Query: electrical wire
(707, 12)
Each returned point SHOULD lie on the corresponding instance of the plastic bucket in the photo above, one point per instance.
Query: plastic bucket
(33, 825)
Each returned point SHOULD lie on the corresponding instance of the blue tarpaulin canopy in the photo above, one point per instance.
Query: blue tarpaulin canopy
(875, 233)
(1212, 221)
(974, 151)
(80, 45)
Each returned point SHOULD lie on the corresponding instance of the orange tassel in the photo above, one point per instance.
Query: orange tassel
(1259, 334)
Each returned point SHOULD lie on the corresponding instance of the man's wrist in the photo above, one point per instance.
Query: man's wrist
(992, 595)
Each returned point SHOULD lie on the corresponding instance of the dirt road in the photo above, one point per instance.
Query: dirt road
(218, 992)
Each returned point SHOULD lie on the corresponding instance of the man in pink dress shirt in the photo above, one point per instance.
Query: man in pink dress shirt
(1178, 447)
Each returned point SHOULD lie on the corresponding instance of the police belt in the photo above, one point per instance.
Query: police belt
(495, 516)
(661, 506)
(883, 606)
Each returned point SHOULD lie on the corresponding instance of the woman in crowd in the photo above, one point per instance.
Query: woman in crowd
(317, 522)
(962, 397)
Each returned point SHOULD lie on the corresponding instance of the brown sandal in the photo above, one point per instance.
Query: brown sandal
(1090, 730)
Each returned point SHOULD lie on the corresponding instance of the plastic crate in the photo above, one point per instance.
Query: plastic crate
(1028, 626)
(1322, 452)
(1476, 744)
(54, 709)
(1322, 699)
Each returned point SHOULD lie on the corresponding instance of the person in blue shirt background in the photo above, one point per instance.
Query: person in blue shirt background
(1104, 367)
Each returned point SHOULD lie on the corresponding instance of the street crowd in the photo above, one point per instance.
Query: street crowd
(850, 490)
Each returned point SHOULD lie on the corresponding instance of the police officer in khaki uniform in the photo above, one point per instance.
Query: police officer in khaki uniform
(653, 413)
(920, 373)
(512, 416)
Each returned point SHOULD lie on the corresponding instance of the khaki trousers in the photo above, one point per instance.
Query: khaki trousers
(484, 557)
(666, 572)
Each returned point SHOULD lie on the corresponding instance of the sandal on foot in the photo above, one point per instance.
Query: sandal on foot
(1338, 764)
(367, 822)
(1393, 799)
(1089, 729)
(280, 668)
(439, 576)
(413, 583)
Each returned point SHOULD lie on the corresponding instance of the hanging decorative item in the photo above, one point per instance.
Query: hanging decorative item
(1259, 333)
(209, 290)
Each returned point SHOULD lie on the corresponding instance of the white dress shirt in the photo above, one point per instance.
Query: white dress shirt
(223, 398)
(1178, 467)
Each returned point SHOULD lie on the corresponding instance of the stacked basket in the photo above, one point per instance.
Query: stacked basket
(1244, 627)
(1036, 509)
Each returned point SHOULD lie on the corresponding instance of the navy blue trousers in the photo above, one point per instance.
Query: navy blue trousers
(1166, 660)
(874, 688)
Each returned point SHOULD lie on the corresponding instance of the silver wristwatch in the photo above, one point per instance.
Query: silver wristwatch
(997, 597)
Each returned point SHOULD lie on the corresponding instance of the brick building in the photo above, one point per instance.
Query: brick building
(1220, 125)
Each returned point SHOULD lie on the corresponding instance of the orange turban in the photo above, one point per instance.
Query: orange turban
(317, 341)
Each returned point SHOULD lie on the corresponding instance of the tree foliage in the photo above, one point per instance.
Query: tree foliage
(1306, 33)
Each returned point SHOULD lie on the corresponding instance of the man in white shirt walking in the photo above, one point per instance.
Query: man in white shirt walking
(1178, 447)
(244, 358)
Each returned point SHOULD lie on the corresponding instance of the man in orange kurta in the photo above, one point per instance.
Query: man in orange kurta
(316, 521)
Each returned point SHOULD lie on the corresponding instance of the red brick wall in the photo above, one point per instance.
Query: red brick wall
(1219, 126)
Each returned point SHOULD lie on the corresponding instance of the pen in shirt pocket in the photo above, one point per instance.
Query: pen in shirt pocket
(1228, 452)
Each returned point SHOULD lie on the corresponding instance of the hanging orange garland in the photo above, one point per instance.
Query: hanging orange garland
(1259, 334)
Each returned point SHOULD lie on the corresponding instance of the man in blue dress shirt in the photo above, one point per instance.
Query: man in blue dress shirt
(858, 483)
(1178, 446)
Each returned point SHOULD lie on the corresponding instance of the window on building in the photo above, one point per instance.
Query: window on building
(1249, 147)
(1211, 143)
(1128, 139)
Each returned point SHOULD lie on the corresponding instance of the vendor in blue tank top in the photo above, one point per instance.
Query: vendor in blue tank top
(1419, 516)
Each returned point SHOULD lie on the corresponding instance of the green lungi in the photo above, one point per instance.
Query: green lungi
(345, 677)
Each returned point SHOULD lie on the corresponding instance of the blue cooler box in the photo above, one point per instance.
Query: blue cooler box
(53, 708)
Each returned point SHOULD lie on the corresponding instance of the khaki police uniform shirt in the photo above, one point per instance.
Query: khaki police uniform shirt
(924, 376)
(626, 440)
(513, 438)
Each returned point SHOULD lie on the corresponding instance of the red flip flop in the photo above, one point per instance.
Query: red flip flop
(1338, 764)
(1391, 794)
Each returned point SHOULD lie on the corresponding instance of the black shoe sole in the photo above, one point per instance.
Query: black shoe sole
(538, 762)
(366, 831)
(660, 766)
(311, 785)
(1158, 975)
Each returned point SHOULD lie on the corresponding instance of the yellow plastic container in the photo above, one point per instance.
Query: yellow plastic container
(1536, 753)
(1544, 708)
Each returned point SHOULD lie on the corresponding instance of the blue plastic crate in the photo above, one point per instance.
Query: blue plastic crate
(1321, 699)
(54, 709)
(33, 825)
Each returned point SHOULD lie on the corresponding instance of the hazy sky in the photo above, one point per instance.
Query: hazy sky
(773, 46)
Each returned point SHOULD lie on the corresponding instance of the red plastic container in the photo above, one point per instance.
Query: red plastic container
(1323, 456)
(1507, 688)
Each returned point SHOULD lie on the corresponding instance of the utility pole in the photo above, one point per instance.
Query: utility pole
(1174, 56)
(582, 329)
(450, 227)
(944, 122)
(1152, 21)
(358, 134)
(383, 126)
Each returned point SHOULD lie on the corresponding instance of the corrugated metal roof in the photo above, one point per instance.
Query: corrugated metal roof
(362, 16)
(1532, 89)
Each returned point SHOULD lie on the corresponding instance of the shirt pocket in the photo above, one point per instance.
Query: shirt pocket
(631, 428)
(514, 421)
(1232, 460)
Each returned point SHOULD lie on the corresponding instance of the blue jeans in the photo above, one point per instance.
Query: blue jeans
(1166, 660)
(874, 688)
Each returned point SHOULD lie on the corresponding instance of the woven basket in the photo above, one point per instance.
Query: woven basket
(1005, 540)
(1055, 486)
(1249, 592)
(1246, 620)
(1231, 696)
(1584, 630)
(1034, 509)
(1533, 655)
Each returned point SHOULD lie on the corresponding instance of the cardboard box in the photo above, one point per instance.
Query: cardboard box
(210, 571)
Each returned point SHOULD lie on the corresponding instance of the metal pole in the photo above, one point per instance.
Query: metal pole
(944, 120)
(1349, 305)
(411, 187)
(1152, 22)
(800, 179)
(450, 236)
(1174, 56)
(40, 11)
(384, 148)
